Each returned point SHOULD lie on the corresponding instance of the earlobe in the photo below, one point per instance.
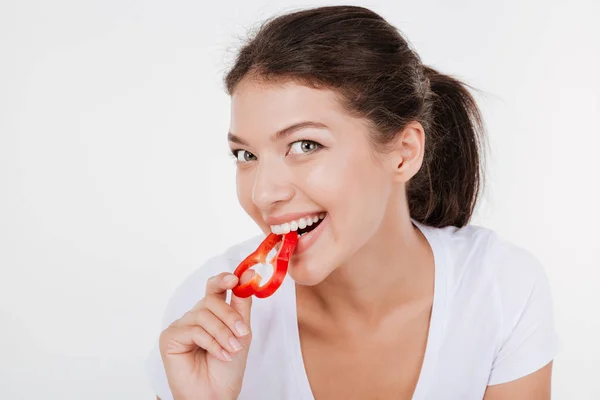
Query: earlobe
(409, 151)
(402, 170)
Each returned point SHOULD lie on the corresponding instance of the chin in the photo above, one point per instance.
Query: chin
(307, 272)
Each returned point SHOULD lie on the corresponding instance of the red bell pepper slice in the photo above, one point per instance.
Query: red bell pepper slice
(259, 256)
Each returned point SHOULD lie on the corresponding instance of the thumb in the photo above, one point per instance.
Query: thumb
(240, 304)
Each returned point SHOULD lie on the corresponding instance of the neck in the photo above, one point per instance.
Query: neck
(393, 270)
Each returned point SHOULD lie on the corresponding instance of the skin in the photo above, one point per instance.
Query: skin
(365, 287)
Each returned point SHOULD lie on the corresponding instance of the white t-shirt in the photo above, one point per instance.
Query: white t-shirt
(492, 321)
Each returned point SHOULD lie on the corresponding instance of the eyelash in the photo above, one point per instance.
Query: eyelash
(234, 155)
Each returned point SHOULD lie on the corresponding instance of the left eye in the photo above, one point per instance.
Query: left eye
(303, 146)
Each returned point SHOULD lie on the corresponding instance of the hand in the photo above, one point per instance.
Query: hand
(205, 351)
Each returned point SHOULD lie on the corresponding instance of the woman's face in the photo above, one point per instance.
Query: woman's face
(325, 167)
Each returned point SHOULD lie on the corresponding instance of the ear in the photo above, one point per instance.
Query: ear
(407, 152)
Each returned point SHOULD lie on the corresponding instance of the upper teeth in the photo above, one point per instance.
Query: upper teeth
(296, 224)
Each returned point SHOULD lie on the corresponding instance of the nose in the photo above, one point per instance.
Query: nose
(272, 185)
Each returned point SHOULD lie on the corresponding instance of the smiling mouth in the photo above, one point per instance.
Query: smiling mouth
(303, 225)
(301, 232)
(309, 228)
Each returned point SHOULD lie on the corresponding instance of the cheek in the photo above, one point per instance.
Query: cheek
(354, 190)
(346, 183)
(244, 194)
(242, 190)
(367, 202)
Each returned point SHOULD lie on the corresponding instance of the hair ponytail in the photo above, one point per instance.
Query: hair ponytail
(445, 191)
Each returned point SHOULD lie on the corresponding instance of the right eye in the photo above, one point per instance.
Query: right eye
(242, 156)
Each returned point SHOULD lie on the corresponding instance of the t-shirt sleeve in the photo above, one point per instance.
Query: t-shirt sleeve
(527, 340)
(189, 292)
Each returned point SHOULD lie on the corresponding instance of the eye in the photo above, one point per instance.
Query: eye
(242, 156)
(304, 146)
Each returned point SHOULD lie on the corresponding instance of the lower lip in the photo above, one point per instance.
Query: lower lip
(308, 239)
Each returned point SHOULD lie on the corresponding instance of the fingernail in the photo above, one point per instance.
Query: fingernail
(229, 279)
(241, 328)
(226, 355)
(235, 344)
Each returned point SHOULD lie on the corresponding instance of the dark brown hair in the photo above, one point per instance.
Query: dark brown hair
(355, 52)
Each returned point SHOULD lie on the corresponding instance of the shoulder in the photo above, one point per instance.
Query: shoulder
(496, 278)
(482, 255)
(193, 287)
(503, 289)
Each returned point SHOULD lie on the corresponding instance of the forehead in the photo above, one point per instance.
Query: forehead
(258, 107)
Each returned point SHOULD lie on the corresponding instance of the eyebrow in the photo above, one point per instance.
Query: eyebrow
(281, 133)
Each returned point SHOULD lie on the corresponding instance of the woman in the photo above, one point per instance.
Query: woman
(342, 134)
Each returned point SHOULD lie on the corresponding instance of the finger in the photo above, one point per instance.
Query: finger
(215, 327)
(243, 305)
(226, 313)
(181, 339)
(204, 340)
(219, 284)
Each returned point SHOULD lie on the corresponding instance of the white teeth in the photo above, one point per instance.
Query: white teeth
(296, 224)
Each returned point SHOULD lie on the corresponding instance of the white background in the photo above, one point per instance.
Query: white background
(115, 181)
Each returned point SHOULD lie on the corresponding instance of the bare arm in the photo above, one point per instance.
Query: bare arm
(535, 386)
